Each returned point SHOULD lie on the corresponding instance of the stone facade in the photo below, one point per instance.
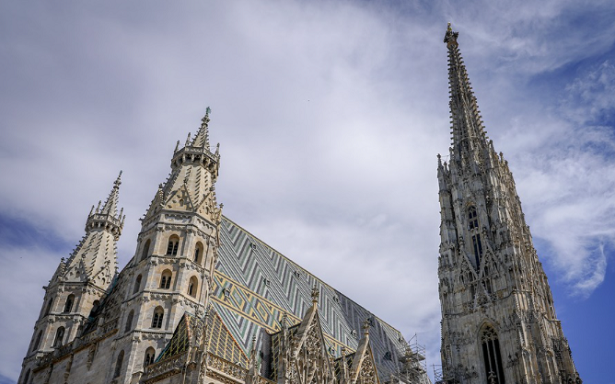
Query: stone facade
(498, 319)
(202, 301)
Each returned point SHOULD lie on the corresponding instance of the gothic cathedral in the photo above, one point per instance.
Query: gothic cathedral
(498, 320)
(204, 301)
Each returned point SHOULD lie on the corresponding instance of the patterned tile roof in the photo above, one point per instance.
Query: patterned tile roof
(254, 286)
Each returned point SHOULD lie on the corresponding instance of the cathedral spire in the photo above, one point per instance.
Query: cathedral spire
(95, 257)
(107, 216)
(491, 280)
(201, 139)
(110, 206)
(468, 131)
(191, 185)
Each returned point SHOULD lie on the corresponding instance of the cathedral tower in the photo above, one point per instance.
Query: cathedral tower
(170, 273)
(79, 283)
(498, 321)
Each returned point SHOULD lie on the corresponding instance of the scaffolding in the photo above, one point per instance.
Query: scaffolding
(437, 374)
(414, 367)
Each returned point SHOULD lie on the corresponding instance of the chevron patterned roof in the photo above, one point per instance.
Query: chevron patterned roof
(254, 286)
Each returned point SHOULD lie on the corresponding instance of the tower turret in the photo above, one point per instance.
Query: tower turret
(80, 282)
(170, 273)
(498, 320)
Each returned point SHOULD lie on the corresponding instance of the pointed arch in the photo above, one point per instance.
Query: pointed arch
(128, 325)
(137, 284)
(165, 279)
(68, 305)
(145, 250)
(118, 364)
(492, 356)
(37, 343)
(173, 245)
(158, 317)
(150, 357)
(198, 252)
(26, 377)
(59, 339)
(48, 308)
(472, 217)
(193, 286)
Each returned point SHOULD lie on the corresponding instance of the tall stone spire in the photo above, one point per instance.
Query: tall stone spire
(95, 257)
(194, 171)
(80, 282)
(468, 131)
(498, 320)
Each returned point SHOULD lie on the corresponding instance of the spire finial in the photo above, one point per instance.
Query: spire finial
(315, 294)
(205, 119)
(110, 206)
(201, 139)
(366, 325)
(450, 37)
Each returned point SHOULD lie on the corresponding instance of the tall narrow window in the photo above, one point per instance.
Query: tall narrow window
(198, 251)
(491, 356)
(26, 377)
(57, 342)
(137, 284)
(173, 246)
(478, 249)
(192, 286)
(157, 318)
(150, 356)
(48, 309)
(472, 218)
(68, 306)
(145, 251)
(128, 326)
(118, 364)
(37, 343)
(165, 279)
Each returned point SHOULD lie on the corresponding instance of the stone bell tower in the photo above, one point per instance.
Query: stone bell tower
(498, 320)
(79, 282)
(177, 249)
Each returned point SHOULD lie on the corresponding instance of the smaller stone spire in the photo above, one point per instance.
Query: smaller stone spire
(107, 216)
(315, 294)
(110, 206)
(201, 140)
(365, 326)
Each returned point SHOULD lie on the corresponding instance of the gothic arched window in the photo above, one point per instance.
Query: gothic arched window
(198, 251)
(118, 364)
(157, 318)
(48, 309)
(68, 306)
(57, 342)
(165, 279)
(192, 287)
(478, 249)
(492, 357)
(173, 245)
(37, 343)
(150, 356)
(145, 251)
(472, 218)
(26, 377)
(128, 326)
(137, 284)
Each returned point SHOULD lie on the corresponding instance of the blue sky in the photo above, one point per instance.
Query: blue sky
(330, 116)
